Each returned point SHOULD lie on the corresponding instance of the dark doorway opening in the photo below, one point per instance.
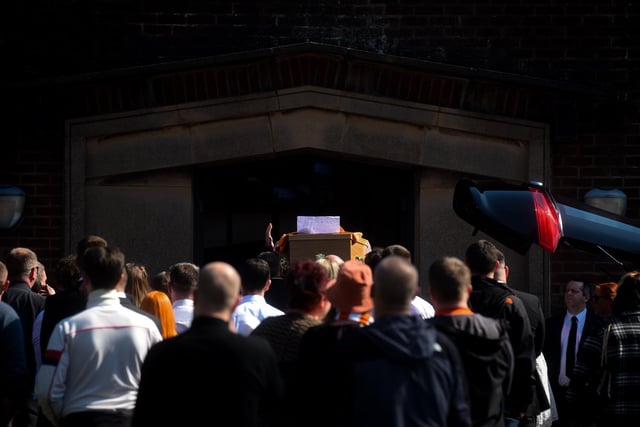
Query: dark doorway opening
(235, 202)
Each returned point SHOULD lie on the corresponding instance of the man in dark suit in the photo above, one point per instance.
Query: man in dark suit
(494, 299)
(67, 301)
(531, 302)
(22, 271)
(557, 337)
(242, 372)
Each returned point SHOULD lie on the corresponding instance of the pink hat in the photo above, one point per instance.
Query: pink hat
(351, 290)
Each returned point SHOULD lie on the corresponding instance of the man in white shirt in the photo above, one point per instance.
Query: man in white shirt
(92, 366)
(253, 308)
(183, 281)
(557, 337)
(421, 307)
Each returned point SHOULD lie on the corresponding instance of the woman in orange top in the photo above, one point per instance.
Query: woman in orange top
(159, 304)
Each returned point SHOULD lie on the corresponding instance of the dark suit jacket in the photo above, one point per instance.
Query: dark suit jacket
(242, 376)
(552, 346)
(536, 318)
(27, 304)
(58, 306)
(538, 329)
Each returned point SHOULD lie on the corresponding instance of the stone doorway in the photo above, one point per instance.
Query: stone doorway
(138, 178)
(237, 201)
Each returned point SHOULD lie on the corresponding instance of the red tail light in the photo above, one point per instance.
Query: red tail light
(548, 219)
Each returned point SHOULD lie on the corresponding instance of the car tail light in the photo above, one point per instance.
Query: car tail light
(548, 219)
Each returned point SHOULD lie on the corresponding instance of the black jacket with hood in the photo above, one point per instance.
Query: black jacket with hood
(401, 371)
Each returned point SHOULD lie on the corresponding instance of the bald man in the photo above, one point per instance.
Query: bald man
(384, 369)
(240, 373)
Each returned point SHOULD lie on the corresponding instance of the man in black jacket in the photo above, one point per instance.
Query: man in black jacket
(483, 342)
(22, 267)
(399, 370)
(494, 299)
(541, 401)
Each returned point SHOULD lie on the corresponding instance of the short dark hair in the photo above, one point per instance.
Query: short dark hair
(67, 273)
(103, 266)
(274, 261)
(254, 273)
(184, 276)
(159, 281)
(85, 243)
(481, 257)
(373, 257)
(397, 250)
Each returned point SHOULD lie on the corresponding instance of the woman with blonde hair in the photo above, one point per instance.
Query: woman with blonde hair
(159, 304)
(330, 263)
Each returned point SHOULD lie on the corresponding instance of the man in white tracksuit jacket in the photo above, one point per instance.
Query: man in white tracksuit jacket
(91, 369)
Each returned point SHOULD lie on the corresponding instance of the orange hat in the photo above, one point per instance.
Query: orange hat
(350, 291)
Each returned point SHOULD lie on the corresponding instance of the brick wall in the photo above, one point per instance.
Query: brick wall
(38, 170)
(590, 42)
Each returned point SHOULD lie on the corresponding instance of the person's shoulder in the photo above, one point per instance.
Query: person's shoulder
(422, 307)
(132, 308)
(246, 304)
(328, 333)
(252, 340)
(37, 300)
(253, 345)
(144, 318)
(134, 315)
(525, 295)
(527, 298)
(22, 290)
(593, 321)
(516, 307)
(271, 311)
(556, 318)
(488, 285)
(553, 326)
(446, 346)
(475, 325)
(26, 291)
(493, 291)
(491, 328)
(590, 314)
(64, 298)
(169, 349)
(8, 313)
(263, 327)
(268, 322)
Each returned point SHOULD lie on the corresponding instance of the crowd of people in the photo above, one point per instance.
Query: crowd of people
(357, 342)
